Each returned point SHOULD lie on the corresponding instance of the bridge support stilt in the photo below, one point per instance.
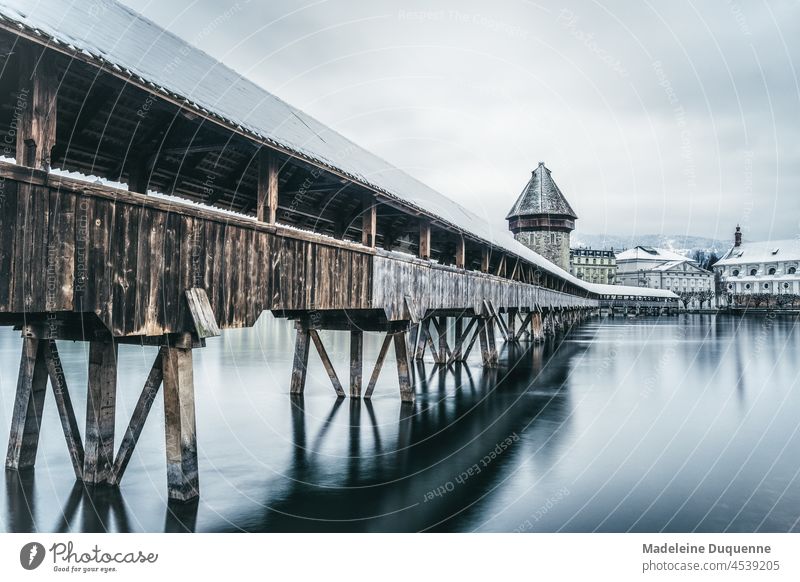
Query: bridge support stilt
(356, 361)
(23, 442)
(181, 433)
(300, 361)
(101, 408)
(403, 368)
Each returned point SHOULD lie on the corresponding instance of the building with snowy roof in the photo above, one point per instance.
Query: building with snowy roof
(657, 268)
(760, 274)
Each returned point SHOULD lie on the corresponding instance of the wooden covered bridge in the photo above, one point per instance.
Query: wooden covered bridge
(236, 203)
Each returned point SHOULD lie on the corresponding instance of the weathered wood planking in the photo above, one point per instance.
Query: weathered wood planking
(68, 246)
(433, 286)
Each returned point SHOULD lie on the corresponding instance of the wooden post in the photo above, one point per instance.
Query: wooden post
(369, 220)
(356, 361)
(493, 357)
(441, 329)
(484, 260)
(512, 323)
(182, 477)
(267, 202)
(326, 362)
(403, 370)
(460, 252)
(138, 175)
(36, 125)
(23, 442)
(423, 337)
(459, 327)
(300, 362)
(101, 398)
(66, 413)
(424, 240)
(485, 354)
(140, 413)
(378, 365)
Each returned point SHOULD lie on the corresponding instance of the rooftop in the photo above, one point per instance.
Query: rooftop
(541, 195)
(641, 253)
(762, 252)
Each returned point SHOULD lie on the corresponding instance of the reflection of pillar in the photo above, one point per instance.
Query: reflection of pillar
(181, 517)
(20, 498)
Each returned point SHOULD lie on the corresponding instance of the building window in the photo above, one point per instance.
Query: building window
(730, 285)
(786, 285)
(735, 272)
(772, 270)
(766, 285)
(753, 272)
(792, 270)
(747, 286)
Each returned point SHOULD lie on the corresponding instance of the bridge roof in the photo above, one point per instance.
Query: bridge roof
(135, 48)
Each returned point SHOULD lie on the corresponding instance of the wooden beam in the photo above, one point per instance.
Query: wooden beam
(403, 370)
(424, 240)
(481, 324)
(369, 220)
(101, 397)
(378, 365)
(66, 413)
(140, 413)
(460, 252)
(485, 259)
(138, 175)
(267, 206)
(300, 361)
(183, 483)
(501, 266)
(23, 441)
(441, 331)
(36, 125)
(459, 355)
(356, 361)
(526, 322)
(326, 362)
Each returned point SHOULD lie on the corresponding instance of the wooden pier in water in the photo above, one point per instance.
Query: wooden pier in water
(261, 208)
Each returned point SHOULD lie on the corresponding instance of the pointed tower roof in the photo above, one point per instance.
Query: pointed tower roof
(541, 195)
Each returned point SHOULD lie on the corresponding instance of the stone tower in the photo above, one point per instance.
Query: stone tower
(542, 218)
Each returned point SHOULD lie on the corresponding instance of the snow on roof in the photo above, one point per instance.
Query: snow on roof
(541, 195)
(641, 253)
(762, 252)
(117, 36)
(669, 265)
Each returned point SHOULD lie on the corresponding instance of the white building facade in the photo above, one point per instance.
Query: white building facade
(760, 274)
(664, 269)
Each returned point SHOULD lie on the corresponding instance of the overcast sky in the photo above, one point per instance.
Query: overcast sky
(654, 117)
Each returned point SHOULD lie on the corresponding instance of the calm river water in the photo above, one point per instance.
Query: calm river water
(678, 424)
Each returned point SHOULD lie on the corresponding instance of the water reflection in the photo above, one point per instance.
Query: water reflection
(87, 509)
(640, 424)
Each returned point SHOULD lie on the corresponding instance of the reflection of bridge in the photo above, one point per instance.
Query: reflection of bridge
(620, 303)
(269, 210)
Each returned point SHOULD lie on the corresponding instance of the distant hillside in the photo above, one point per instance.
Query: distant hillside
(685, 245)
